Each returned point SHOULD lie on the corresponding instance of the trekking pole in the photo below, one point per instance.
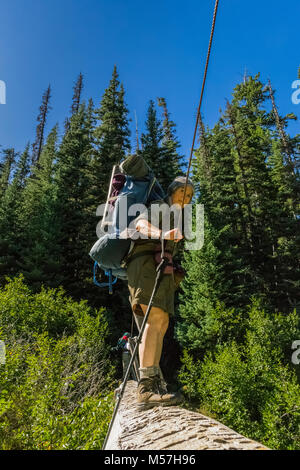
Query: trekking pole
(159, 270)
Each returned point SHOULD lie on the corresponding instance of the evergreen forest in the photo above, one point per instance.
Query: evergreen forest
(230, 344)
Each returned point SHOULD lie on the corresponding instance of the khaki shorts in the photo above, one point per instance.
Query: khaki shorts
(141, 273)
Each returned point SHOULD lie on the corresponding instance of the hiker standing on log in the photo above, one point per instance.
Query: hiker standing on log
(141, 273)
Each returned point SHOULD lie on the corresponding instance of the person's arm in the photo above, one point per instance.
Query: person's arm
(144, 227)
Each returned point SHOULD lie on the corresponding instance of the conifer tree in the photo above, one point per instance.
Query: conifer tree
(216, 273)
(76, 99)
(40, 130)
(168, 125)
(9, 158)
(111, 135)
(111, 142)
(151, 141)
(170, 142)
(40, 252)
(285, 174)
(78, 87)
(11, 231)
(205, 155)
(74, 202)
(244, 223)
(284, 158)
(261, 210)
(160, 146)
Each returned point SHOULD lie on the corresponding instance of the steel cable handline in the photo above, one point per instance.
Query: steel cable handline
(164, 261)
(201, 96)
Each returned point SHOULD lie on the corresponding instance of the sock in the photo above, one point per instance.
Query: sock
(148, 371)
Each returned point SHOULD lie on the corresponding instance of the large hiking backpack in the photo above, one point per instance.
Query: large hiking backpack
(134, 180)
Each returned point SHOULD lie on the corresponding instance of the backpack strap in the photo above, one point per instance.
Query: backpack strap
(150, 188)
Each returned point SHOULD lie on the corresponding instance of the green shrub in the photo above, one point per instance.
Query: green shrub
(55, 387)
(251, 387)
(22, 313)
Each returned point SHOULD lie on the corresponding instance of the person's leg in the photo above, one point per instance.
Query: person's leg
(150, 392)
(138, 321)
(152, 341)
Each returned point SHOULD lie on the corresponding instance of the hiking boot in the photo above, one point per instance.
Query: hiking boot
(149, 394)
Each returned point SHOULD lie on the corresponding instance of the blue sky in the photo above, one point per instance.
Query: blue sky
(159, 47)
